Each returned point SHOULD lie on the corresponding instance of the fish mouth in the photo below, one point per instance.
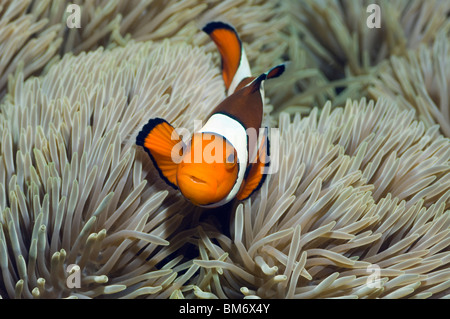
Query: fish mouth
(196, 180)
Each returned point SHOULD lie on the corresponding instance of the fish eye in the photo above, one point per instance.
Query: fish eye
(230, 158)
(230, 161)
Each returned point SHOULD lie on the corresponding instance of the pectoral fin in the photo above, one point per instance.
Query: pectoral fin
(257, 173)
(164, 146)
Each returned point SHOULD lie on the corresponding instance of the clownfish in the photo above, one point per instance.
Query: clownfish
(219, 162)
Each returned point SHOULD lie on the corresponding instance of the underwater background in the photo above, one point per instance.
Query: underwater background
(360, 205)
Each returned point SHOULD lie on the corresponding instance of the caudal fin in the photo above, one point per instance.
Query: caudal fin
(235, 65)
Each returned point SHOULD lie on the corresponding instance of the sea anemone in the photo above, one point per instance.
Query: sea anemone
(340, 53)
(33, 32)
(27, 39)
(74, 189)
(360, 204)
(336, 32)
(420, 81)
(358, 209)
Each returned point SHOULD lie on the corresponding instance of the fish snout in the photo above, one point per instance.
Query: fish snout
(197, 180)
(196, 188)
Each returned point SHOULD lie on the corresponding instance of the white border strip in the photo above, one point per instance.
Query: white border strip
(235, 133)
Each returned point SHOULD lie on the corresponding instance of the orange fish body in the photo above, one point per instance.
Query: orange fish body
(220, 162)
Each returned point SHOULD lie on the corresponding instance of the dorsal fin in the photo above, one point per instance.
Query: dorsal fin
(274, 72)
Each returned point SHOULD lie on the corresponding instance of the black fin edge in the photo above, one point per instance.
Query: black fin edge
(263, 179)
(151, 124)
(279, 71)
(214, 25)
(140, 139)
